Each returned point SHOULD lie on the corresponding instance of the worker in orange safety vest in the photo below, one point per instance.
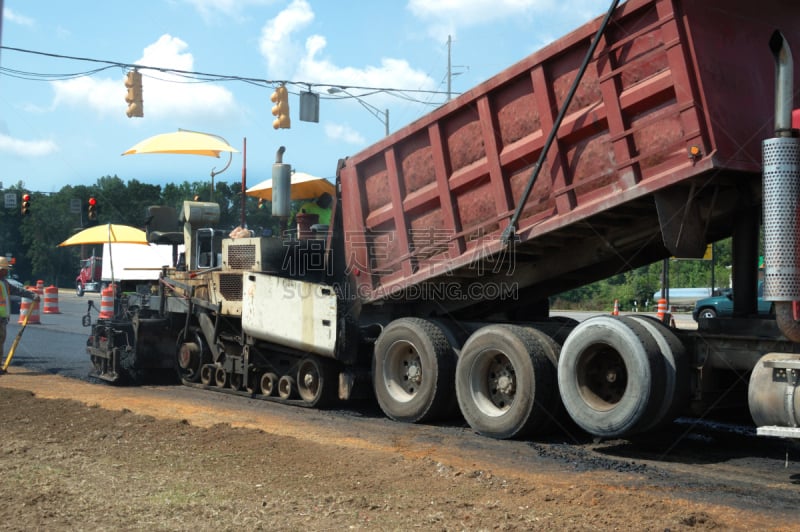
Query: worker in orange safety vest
(6, 290)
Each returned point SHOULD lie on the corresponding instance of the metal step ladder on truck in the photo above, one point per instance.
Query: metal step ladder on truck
(634, 138)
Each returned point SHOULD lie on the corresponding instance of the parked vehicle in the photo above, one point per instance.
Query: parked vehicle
(89, 276)
(683, 296)
(430, 289)
(722, 306)
(124, 262)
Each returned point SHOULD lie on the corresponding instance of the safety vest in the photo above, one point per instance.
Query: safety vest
(313, 208)
(3, 299)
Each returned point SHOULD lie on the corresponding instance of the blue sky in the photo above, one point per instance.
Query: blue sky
(55, 132)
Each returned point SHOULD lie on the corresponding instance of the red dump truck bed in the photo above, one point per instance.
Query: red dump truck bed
(661, 140)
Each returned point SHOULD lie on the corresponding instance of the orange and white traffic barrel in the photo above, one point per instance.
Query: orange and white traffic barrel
(51, 300)
(27, 306)
(107, 303)
(40, 285)
(662, 309)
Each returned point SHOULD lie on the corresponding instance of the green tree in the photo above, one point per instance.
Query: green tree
(47, 225)
(11, 222)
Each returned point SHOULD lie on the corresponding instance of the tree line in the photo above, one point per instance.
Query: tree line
(33, 240)
(641, 284)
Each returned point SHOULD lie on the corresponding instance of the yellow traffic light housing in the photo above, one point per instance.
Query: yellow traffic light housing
(133, 82)
(26, 204)
(281, 108)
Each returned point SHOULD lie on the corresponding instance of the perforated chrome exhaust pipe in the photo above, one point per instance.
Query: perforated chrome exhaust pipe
(782, 198)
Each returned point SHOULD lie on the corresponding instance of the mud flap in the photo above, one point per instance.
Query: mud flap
(682, 227)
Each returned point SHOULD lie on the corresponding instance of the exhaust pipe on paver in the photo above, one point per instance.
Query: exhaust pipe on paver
(782, 198)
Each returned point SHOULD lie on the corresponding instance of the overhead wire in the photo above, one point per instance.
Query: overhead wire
(197, 76)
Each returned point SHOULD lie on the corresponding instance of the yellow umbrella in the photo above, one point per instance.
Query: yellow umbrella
(182, 141)
(187, 142)
(303, 186)
(108, 234)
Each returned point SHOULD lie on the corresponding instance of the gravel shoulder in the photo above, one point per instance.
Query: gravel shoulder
(76, 455)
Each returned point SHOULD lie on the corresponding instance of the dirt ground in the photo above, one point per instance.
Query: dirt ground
(81, 456)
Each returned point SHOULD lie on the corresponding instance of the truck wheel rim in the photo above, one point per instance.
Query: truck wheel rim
(493, 383)
(602, 377)
(402, 371)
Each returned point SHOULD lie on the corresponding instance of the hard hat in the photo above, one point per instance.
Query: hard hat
(3, 263)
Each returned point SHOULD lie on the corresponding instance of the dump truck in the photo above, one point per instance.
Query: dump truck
(644, 134)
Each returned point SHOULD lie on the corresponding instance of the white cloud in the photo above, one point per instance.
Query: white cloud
(166, 95)
(276, 44)
(288, 59)
(27, 148)
(344, 133)
(16, 18)
(100, 95)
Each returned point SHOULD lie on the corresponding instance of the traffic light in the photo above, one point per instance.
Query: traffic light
(92, 210)
(133, 82)
(26, 204)
(281, 108)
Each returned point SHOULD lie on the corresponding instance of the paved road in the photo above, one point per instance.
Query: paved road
(57, 345)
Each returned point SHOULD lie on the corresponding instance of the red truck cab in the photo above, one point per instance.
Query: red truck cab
(88, 279)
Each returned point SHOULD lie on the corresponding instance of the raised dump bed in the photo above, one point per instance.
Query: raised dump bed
(660, 141)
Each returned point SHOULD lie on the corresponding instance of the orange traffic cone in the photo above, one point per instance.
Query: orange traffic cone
(662, 309)
(106, 303)
(51, 300)
(615, 312)
(29, 306)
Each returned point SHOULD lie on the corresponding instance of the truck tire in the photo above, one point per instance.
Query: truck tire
(79, 289)
(708, 313)
(611, 376)
(413, 369)
(506, 381)
(676, 370)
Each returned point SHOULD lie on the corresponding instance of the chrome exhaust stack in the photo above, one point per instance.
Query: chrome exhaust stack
(782, 198)
(774, 389)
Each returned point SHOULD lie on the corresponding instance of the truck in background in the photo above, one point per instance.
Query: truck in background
(448, 237)
(123, 263)
(90, 275)
(135, 263)
(681, 298)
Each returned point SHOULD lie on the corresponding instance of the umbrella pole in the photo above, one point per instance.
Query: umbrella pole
(213, 173)
(110, 259)
(244, 180)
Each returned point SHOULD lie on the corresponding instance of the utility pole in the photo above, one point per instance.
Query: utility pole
(449, 67)
(450, 73)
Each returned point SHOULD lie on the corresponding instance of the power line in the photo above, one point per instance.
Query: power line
(195, 75)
